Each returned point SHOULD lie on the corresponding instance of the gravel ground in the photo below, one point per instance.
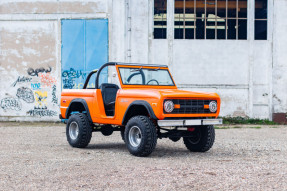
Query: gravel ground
(37, 157)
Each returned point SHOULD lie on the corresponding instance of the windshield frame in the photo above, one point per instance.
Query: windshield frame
(145, 85)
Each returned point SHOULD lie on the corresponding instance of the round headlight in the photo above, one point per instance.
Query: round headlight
(168, 106)
(213, 106)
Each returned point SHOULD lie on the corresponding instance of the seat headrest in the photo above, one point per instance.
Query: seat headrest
(108, 85)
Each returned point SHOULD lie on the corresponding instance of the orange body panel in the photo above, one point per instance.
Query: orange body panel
(153, 94)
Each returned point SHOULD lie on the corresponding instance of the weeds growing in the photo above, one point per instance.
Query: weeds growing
(246, 121)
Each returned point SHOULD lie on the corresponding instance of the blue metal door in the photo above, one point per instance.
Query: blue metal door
(84, 48)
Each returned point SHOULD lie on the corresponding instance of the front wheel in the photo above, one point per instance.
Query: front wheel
(202, 140)
(140, 136)
(79, 130)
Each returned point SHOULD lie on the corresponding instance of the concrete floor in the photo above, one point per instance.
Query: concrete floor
(36, 156)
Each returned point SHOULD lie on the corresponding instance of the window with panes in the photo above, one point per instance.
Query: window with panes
(210, 19)
(205, 19)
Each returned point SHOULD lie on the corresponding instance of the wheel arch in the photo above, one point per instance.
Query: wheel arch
(78, 105)
(139, 107)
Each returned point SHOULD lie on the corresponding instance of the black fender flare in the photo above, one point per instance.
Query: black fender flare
(140, 103)
(83, 102)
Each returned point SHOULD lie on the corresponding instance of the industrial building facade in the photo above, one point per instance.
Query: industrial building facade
(237, 48)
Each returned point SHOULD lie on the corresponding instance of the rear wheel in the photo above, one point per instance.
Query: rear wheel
(140, 136)
(79, 130)
(202, 140)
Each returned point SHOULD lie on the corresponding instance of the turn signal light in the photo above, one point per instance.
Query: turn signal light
(176, 106)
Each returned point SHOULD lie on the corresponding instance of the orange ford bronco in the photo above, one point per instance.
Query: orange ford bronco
(144, 104)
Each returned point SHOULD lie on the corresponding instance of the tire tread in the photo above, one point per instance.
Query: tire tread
(85, 128)
(150, 131)
(206, 142)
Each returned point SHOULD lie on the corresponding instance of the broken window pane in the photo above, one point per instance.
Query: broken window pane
(160, 19)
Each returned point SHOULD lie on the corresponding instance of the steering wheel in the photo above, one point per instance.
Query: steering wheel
(153, 80)
(138, 73)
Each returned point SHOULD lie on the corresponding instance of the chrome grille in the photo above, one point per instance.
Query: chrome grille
(190, 106)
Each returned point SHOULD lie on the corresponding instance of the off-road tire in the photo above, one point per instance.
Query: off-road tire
(84, 133)
(148, 136)
(207, 137)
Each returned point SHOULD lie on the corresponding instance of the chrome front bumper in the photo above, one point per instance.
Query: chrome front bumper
(188, 122)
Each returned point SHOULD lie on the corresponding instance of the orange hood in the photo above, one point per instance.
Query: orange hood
(166, 93)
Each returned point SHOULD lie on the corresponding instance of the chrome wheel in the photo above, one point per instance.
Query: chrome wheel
(74, 130)
(135, 136)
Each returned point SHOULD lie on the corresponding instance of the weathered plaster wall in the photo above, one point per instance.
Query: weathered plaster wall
(280, 57)
(53, 7)
(117, 31)
(205, 65)
(29, 73)
(139, 31)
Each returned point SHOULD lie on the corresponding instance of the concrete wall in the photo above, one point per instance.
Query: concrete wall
(29, 70)
(248, 75)
(280, 57)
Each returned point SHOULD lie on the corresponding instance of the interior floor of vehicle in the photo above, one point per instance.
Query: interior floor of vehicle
(109, 93)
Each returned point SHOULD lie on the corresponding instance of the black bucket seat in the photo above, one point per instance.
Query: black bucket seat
(109, 93)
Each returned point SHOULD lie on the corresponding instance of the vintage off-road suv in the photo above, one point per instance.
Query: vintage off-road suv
(144, 104)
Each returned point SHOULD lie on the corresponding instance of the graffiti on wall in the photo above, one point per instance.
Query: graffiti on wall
(54, 97)
(21, 80)
(36, 86)
(72, 73)
(35, 72)
(71, 78)
(68, 83)
(25, 94)
(41, 112)
(41, 99)
(47, 80)
(36, 90)
(11, 103)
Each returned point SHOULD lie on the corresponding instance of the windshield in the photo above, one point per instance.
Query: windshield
(146, 76)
